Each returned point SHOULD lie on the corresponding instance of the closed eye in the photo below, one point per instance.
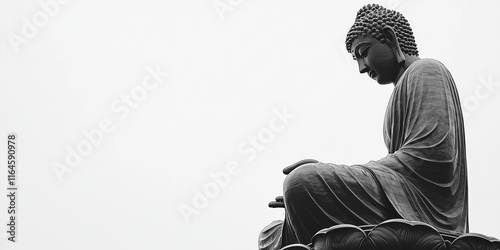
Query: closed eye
(363, 51)
(360, 50)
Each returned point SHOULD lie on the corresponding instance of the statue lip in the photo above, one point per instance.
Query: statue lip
(372, 74)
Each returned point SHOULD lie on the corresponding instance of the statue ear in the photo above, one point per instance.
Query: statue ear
(392, 41)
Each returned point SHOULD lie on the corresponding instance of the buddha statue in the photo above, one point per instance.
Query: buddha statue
(424, 175)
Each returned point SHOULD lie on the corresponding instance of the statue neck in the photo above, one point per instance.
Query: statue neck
(408, 61)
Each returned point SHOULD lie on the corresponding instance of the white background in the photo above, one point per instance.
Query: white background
(228, 71)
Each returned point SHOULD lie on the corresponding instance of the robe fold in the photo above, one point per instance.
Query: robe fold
(423, 177)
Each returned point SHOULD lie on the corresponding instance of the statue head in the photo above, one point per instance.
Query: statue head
(381, 40)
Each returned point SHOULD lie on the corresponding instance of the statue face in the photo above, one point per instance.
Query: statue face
(376, 59)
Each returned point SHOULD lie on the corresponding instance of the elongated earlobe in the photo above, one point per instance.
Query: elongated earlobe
(400, 57)
(391, 40)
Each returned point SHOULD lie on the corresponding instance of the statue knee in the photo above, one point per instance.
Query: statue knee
(303, 171)
(298, 182)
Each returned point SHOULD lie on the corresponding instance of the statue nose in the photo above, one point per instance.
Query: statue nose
(362, 66)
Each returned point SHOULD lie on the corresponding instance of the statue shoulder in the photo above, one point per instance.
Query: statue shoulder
(424, 75)
(427, 70)
(426, 64)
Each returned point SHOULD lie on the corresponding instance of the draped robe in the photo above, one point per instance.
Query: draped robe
(423, 177)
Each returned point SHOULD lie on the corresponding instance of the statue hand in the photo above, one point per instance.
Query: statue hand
(277, 203)
(290, 168)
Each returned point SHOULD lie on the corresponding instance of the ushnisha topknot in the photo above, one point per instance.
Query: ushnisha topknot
(370, 20)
